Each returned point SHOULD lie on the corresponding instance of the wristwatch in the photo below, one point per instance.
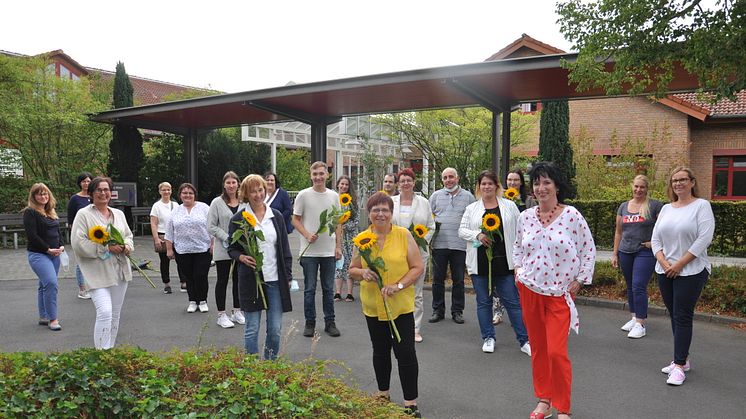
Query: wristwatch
(400, 286)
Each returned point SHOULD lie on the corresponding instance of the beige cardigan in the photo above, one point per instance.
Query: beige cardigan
(100, 273)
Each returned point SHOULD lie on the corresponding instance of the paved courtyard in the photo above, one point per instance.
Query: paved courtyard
(614, 377)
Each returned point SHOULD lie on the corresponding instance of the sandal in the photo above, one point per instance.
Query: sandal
(337, 297)
(349, 298)
(540, 415)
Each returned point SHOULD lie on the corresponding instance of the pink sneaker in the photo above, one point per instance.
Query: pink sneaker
(676, 377)
(668, 368)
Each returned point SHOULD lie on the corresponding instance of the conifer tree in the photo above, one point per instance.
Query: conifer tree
(125, 149)
(554, 139)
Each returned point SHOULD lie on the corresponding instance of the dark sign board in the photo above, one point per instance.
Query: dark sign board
(124, 194)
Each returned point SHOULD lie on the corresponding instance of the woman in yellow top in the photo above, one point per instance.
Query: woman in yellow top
(401, 256)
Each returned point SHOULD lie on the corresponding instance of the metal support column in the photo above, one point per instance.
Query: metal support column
(505, 153)
(496, 147)
(318, 141)
(190, 154)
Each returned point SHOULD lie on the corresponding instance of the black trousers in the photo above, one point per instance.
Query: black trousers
(221, 286)
(457, 260)
(383, 342)
(194, 267)
(165, 264)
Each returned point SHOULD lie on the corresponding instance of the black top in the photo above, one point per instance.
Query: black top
(43, 233)
(233, 209)
(282, 203)
(499, 257)
(75, 204)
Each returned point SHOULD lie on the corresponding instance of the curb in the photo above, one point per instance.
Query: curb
(621, 305)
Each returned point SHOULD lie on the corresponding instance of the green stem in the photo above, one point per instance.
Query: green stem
(392, 326)
(260, 289)
(132, 261)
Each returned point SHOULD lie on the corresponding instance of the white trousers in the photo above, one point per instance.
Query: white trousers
(418, 298)
(108, 302)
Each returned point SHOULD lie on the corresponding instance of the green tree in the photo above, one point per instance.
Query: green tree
(125, 149)
(647, 40)
(293, 168)
(163, 162)
(554, 139)
(43, 117)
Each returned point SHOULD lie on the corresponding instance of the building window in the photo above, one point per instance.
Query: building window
(729, 177)
(64, 72)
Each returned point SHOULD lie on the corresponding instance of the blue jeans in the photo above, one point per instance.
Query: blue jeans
(311, 266)
(274, 324)
(637, 269)
(46, 268)
(79, 276)
(680, 296)
(504, 287)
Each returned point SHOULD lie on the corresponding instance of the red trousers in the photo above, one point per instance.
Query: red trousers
(547, 320)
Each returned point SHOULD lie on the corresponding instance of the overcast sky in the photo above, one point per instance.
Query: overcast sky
(236, 46)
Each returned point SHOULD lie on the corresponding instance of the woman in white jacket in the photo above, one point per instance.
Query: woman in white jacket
(489, 192)
(222, 208)
(410, 210)
(106, 269)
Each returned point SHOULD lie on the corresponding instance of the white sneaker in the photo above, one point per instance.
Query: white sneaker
(224, 321)
(629, 325)
(489, 345)
(237, 317)
(203, 307)
(526, 348)
(192, 307)
(676, 377)
(84, 295)
(668, 368)
(638, 331)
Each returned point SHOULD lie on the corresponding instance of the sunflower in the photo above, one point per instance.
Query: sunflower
(490, 222)
(365, 240)
(345, 216)
(420, 230)
(98, 234)
(345, 199)
(249, 218)
(511, 193)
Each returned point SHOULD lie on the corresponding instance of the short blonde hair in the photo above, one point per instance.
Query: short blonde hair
(317, 164)
(250, 182)
(46, 210)
(162, 184)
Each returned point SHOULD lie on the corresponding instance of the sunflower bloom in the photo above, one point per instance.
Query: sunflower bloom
(345, 216)
(491, 222)
(420, 231)
(345, 199)
(98, 234)
(249, 218)
(511, 193)
(365, 240)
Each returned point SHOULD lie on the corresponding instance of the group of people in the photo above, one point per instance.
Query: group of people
(534, 253)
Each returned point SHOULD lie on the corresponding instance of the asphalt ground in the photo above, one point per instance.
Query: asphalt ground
(614, 377)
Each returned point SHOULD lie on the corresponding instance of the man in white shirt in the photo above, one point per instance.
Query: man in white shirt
(323, 249)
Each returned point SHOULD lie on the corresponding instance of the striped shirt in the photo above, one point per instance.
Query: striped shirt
(448, 210)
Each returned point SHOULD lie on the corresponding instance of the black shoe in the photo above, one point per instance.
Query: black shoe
(310, 329)
(458, 318)
(331, 329)
(412, 411)
(349, 298)
(167, 289)
(337, 297)
(436, 317)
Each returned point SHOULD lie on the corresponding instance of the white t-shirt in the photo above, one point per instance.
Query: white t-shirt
(267, 246)
(309, 205)
(163, 211)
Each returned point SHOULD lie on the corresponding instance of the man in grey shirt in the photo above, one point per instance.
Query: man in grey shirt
(448, 206)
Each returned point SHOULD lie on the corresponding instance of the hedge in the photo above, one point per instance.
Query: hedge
(730, 224)
(133, 383)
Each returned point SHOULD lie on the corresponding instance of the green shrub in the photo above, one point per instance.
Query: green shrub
(130, 382)
(730, 224)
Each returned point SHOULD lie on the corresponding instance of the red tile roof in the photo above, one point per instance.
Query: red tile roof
(148, 91)
(723, 108)
(530, 47)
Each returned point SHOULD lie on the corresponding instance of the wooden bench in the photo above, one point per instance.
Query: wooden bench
(13, 224)
(141, 219)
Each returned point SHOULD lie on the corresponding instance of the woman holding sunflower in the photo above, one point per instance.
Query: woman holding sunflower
(271, 291)
(397, 250)
(413, 212)
(105, 268)
(349, 228)
(489, 227)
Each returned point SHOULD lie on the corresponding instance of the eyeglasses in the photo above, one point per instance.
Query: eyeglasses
(680, 180)
(42, 193)
(380, 211)
(99, 190)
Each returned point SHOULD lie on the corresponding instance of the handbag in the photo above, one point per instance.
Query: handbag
(157, 246)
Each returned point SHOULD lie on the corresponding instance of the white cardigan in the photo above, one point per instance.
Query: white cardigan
(471, 226)
(421, 214)
(100, 273)
(218, 222)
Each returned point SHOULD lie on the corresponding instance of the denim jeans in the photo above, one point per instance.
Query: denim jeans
(311, 266)
(504, 287)
(441, 259)
(46, 268)
(680, 295)
(79, 276)
(637, 269)
(274, 324)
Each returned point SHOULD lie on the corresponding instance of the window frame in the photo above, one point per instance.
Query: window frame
(731, 155)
